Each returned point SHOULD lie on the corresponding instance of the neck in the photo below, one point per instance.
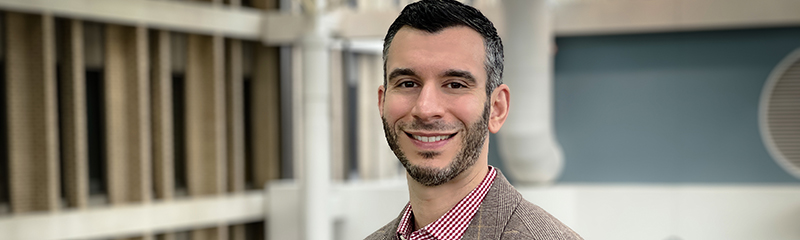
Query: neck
(431, 202)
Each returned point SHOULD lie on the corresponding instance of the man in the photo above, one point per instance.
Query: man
(442, 95)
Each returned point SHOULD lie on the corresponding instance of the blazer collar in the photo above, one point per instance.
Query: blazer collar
(488, 222)
(495, 210)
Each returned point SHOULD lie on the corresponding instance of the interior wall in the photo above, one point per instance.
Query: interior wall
(665, 108)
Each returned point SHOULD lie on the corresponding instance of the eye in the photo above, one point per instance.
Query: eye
(407, 84)
(455, 85)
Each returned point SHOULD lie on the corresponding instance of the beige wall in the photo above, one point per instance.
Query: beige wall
(47, 126)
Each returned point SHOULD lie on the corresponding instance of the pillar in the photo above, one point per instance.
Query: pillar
(127, 114)
(163, 124)
(265, 110)
(206, 148)
(212, 233)
(375, 158)
(317, 222)
(528, 145)
(205, 116)
(33, 149)
(73, 115)
(234, 82)
(338, 124)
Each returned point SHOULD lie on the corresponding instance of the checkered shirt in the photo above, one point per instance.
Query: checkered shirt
(452, 224)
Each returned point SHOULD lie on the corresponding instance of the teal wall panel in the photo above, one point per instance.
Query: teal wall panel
(665, 108)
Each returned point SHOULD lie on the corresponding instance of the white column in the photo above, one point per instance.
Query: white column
(316, 126)
(527, 142)
(375, 158)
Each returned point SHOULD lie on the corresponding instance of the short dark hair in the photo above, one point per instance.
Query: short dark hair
(435, 15)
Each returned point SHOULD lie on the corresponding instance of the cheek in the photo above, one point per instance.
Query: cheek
(470, 112)
(395, 108)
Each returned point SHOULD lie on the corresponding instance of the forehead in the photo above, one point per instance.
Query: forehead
(457, 47)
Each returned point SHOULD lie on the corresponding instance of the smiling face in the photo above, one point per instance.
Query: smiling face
(434, 106)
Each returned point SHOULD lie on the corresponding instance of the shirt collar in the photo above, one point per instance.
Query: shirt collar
(452, 224)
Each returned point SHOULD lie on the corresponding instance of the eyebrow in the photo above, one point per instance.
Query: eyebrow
(402, 72)
(449, 73)
(460, 74)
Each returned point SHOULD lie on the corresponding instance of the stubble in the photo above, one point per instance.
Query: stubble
(471, 146)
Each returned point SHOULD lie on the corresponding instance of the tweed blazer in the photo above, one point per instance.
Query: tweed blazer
(503, 214)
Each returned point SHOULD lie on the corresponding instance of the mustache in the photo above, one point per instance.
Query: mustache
(437, 125)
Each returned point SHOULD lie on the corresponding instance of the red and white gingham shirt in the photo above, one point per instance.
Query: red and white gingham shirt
(453, 223)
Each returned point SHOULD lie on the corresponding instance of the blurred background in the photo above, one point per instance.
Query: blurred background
(257, 119)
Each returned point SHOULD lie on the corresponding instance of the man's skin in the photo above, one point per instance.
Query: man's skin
(439, 78)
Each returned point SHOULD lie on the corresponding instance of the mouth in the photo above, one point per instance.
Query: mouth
(430, 138)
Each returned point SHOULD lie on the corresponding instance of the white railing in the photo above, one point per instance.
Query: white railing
(137, 218)
(607, 211)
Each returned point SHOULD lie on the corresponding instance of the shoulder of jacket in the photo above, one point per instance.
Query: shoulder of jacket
(385, 232)
(538, 223)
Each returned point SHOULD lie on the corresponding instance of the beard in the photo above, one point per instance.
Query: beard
(471, 146)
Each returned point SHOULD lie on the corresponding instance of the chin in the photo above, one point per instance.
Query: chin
(438, 164)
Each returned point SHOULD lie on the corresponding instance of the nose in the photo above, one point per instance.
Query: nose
(429, 105)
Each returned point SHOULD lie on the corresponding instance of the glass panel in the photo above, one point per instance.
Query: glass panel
(179, 133)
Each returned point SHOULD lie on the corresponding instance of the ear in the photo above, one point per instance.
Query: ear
(380, 99)
(501, 102)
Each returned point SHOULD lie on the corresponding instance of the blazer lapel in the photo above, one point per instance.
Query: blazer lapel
(388, 231)
(495, 210)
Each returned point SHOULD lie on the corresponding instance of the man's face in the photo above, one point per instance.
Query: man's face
(434, 105)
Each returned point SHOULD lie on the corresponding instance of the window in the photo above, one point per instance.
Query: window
(95, 122)
(94, 43)
(60, 45)
(179, 133)
(178, 53)
(248, 61)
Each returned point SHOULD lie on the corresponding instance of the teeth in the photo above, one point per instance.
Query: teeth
(431, 139)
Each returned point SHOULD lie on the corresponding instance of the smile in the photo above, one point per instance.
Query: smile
(429, 139)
